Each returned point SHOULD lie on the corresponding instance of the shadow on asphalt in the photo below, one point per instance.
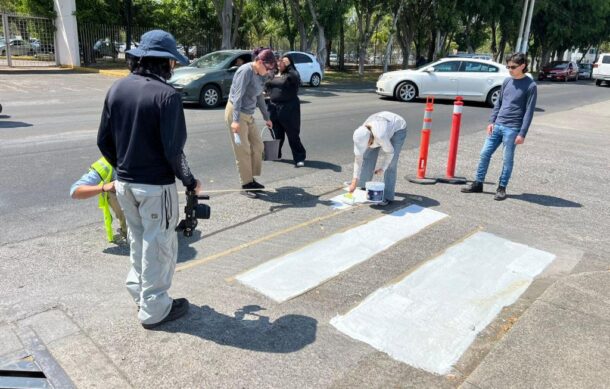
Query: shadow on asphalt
(122, 250)
(291, 197)
(247, 329)
(320, 165)
(5, 116)
(185, 251)
(547, 201)
(12, 124)
(409, 199)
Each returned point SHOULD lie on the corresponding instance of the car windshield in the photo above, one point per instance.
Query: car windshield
(558, 65)
(211, 60)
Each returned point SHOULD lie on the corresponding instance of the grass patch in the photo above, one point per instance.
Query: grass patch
(350, 76)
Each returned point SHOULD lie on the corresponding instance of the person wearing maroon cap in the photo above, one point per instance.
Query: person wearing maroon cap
(246, 94)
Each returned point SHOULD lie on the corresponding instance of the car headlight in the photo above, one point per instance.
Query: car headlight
(182, 81)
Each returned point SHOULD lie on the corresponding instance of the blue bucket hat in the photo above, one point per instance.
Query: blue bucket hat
(158, 43)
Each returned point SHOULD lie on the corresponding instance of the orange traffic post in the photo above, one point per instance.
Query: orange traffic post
(422, 162)
(450, 178)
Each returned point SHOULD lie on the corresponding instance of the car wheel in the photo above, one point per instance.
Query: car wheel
(315, 80)
(209, 97)
(493, 96)
(406, 91)
(598, 82)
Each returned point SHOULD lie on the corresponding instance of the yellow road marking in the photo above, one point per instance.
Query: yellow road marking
(242, 246)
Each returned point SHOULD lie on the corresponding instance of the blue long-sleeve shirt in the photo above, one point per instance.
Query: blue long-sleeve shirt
(516, 105)
(247, 92)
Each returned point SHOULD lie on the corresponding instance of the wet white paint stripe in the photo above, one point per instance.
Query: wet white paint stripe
(432, 316)
(293, 274)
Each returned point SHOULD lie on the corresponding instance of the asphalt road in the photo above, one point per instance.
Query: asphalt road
(48, 139)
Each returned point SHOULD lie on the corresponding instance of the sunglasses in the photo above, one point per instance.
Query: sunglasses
(512, 67)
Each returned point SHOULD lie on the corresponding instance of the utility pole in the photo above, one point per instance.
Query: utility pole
(526, 35)
(522, 26)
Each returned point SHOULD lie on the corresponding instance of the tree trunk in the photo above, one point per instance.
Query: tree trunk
(321, 51)
(388, 49)
(329, 45)
(405, 45)
(341, 54)
(238, 10)
(291, 34)
(296, 14)
(225, 16)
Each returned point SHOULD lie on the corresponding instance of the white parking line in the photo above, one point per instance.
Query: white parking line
(432, 316)
(293, 274)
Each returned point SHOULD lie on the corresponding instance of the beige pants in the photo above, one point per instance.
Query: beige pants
(249, 154)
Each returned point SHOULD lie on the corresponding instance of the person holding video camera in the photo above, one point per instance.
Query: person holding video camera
(142, 134)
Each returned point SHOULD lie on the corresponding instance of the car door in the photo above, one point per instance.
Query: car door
(475, 79)
(304, 65)
(440, 79)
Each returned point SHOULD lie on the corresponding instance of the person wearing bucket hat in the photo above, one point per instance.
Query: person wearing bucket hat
(246, 94)
(386, 131)
(142, 135)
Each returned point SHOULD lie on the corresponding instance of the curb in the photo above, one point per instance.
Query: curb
(105, 72)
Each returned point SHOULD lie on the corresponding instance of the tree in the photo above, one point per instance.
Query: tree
(369, 13)
(229, 15)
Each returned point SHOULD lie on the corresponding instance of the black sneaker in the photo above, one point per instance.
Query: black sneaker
(500, 193)
(257, 185)
(474, 187)
(179, 308)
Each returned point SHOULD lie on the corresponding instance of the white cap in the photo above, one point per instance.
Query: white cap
(361, 137)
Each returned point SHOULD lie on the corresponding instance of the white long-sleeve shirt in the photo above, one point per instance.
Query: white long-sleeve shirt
(384, 125)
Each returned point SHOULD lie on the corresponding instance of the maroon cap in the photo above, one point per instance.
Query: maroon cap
(267, 57)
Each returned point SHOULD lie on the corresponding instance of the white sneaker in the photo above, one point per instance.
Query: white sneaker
(300, 164)
(383, 203)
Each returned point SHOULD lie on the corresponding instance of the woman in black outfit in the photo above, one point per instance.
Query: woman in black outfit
(285, 108)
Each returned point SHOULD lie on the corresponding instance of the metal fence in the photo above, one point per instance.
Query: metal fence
(101, 45)
(27, 41)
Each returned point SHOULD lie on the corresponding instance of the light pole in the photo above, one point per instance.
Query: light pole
(526, 35)
(522, 26)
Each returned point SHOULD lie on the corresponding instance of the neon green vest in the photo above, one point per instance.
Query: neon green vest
(103, 168)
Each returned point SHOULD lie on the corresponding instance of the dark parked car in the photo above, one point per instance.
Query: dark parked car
(207, 80)
(559, 70)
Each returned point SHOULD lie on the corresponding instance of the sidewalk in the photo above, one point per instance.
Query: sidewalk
(555, 335)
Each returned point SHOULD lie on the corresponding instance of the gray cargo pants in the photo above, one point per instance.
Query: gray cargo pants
(151, 212)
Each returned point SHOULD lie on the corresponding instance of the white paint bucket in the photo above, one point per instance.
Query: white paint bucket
(374, 191)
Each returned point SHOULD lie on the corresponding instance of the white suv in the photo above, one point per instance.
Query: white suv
(601, 69)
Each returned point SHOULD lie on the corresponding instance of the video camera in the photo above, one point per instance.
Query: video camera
(193, 211)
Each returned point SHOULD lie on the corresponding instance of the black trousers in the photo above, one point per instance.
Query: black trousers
(286, 118)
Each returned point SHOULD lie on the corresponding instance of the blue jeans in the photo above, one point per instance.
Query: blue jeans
(389, 176)
(500, 135)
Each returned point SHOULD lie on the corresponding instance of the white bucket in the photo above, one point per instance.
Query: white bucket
(374, 191)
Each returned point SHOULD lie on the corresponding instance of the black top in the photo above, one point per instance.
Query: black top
(142, 132)
(284, 87)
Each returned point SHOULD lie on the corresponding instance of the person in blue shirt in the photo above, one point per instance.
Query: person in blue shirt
(99, 181)
(508, 124)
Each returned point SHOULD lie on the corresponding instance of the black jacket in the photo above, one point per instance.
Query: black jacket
(142, 132)
(284, 87)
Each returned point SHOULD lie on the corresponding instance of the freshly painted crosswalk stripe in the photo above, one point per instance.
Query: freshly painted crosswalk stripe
(293, 274)
(432, 316)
